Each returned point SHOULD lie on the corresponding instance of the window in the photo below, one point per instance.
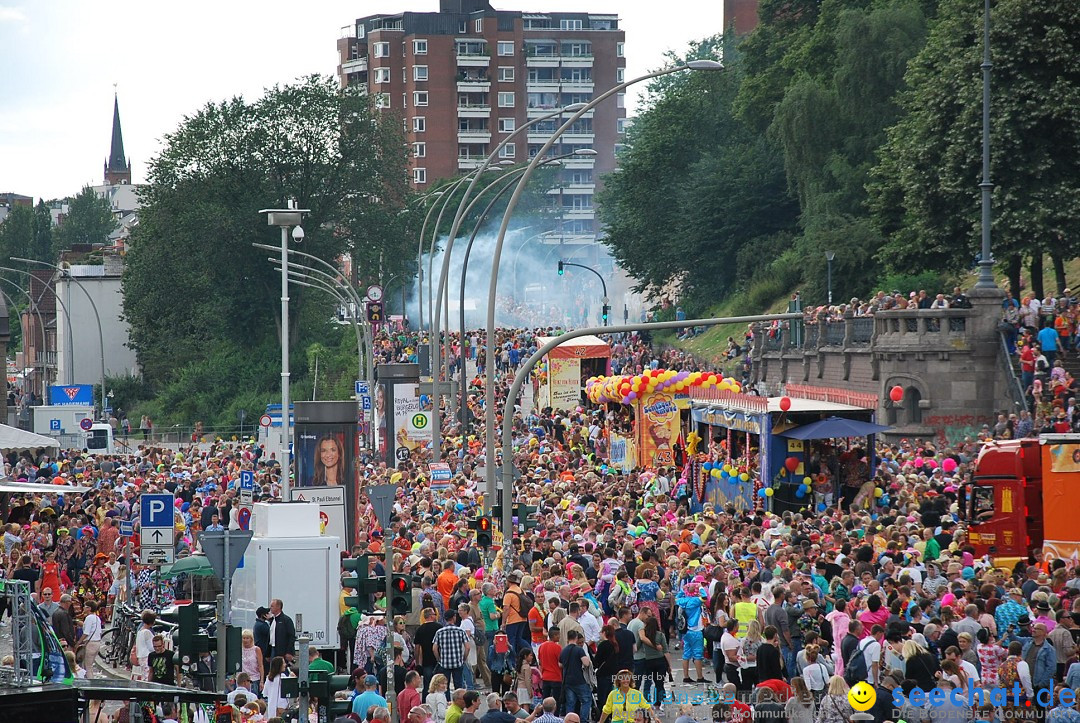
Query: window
(360, 30)
(620, 100)
(600, 24)
(620, 125)
(419, 150)
(419, 47)
(463, 26)
(508, 151)
(381, 50)
(577, 50)
(506, 100)
(420, 97)
(507, 125)
(382, 75)
(479, 25)
(419, 175)
(581, 178)
(419, 72)
(419, 124)
(382, 100)
(506, 74)
(404, 99)
(620, 75)
(570, 24)
(619, 50)
(505, 48)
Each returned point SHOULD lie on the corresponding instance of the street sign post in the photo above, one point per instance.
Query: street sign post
(157, 544)
(224, 550)
(382, 500)
(265, 420)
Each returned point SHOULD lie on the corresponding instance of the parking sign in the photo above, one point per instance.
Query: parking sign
(156, 511)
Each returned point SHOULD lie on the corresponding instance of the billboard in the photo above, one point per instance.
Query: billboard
(325, 453)
(63, 395)
(402, 413)
(657, 429)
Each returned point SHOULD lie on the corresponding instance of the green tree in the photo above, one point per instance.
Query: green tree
(925, 196)
(201, 302)
(89, 221)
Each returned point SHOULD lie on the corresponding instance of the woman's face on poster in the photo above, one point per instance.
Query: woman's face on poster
(328, 453)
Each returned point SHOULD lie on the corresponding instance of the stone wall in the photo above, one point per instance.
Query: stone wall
(949, 362)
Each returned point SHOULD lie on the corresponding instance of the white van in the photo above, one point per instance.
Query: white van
(99, 439)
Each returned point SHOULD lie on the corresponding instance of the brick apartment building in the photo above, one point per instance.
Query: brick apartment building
(465, 77)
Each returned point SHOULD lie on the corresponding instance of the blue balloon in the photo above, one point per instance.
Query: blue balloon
(800, 493)
(707, 466)
(724, 473)
(733, 479)
(821, 507)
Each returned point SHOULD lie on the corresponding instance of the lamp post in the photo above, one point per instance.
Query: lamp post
(986, 261)
(285, 218)
(829, 256)
(436, 429)
(93, 306)
(489, 389)
(434, 195)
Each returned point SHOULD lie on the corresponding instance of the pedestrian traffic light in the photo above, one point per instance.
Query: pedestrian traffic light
(483, 532)
(604, 313)
(375, 312)
(401, 599)
(561, 269)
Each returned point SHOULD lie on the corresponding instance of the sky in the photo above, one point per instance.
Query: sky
(62, 59)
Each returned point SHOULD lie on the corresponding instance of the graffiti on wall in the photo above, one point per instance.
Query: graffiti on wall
(951, 429)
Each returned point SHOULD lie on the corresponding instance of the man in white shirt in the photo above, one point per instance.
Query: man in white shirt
(243, 687)
(590, 625)
(872, 654)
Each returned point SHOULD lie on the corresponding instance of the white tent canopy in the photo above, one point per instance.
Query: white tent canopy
(13, 439)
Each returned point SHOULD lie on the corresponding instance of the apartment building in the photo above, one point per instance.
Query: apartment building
(465, 77)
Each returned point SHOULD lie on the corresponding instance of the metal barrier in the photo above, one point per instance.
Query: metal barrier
(1016, 390)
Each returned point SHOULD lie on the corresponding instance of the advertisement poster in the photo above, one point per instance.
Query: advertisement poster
(565, 382)
(623, 455)
(1065, 457)
(326, 450)
(412, 418)
(380, 423)
(657, 429)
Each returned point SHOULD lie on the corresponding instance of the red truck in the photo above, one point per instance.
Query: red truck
(1023, 498)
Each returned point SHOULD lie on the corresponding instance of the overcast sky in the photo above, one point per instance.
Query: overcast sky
(60, 59)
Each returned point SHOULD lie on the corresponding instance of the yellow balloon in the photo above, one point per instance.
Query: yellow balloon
(878, 492)
(807, 481)
(769, 492)
(744, 477)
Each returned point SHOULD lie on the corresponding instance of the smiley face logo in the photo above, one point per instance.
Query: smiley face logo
(862, 696)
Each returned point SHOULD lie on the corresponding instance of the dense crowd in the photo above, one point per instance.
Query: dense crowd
(765, 614)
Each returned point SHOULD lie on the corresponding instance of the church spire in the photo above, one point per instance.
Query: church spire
(117, 166)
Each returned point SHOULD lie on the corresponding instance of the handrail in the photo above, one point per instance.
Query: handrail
(1016, 389)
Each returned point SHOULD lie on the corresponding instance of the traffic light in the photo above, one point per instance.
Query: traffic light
(401, 599)
(561, 269)
(483, 532)
(604, 313)
(365, 586)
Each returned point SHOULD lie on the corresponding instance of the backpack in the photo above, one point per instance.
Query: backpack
(619, 596)
(855, 667)
(1007, 673)
(525, 605)
(681, 623)
(346, 627)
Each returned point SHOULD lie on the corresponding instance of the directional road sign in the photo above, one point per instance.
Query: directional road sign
(127, 528)
(156, 538)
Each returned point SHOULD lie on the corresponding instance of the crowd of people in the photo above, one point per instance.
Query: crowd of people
(627, 599)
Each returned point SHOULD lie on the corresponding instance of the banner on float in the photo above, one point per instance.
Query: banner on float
(657, 429)
(622, 453)
(564, 380)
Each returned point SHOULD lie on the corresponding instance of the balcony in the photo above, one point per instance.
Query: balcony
(474, 110)
(577, 86)
(537, 111)
(474, 136)
(474, 85)
(541, 61)
(575, 188)
(468, 163)
(545, 85)
(356, 65)
(577, 61)
(579, 162)
(473, 59)
(588, 213)
(577, 138)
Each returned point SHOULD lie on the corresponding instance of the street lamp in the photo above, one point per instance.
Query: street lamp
(93, 306)
(829, 256)
(434, 195)
(986, 261)
(285, 218)
(489, 408)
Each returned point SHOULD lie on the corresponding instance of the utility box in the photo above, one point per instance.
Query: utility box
(289, 560)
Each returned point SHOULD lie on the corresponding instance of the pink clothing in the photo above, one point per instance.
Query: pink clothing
(840, 623)
(869, 619)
